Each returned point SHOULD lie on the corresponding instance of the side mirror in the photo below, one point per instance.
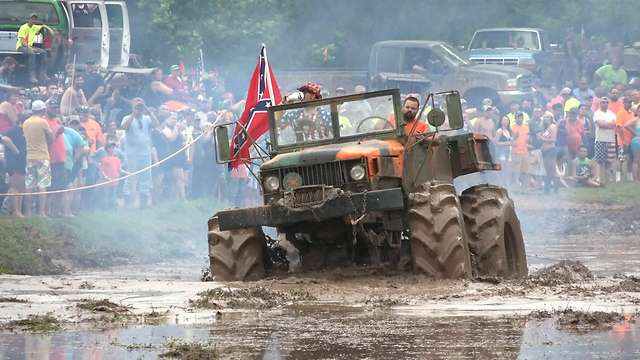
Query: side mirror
(454, 110)
(222, 143)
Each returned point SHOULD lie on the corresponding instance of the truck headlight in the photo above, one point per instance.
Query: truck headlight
(357, 172)
(527, 62)
(271, 183)
(511, 84)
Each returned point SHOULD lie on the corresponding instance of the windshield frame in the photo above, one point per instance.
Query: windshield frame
(333, 102)
(514, 31)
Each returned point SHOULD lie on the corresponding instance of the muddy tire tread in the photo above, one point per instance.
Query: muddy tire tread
(235, 255)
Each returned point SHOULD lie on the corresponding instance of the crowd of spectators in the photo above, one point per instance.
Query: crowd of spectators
(78, 131)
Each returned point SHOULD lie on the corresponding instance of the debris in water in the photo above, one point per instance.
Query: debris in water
(562, 273)
(582, 322)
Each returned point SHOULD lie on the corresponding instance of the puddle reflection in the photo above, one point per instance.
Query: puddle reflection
(337, 335)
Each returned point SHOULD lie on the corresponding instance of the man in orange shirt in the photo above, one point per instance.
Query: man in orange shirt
(519, 151)
(615, 103)
(95, 139)
(624, 138)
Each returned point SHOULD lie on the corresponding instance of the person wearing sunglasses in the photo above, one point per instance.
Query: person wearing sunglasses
(605, 147)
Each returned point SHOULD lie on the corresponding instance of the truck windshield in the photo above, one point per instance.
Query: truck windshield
(505, 39)
(355, 118)
(17, 13)
(451, 55)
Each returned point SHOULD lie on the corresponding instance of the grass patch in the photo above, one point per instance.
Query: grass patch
(170, 230)
(249, 298)
(35, 323)
(623, 193)
(13, 300)
(189, 351)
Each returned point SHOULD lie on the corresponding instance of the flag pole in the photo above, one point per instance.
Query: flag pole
(202, 59)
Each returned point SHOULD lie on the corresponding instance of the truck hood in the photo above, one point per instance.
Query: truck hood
(335, 152)
(509, 72)
(500, 53)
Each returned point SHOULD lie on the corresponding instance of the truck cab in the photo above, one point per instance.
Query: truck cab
(433, 66)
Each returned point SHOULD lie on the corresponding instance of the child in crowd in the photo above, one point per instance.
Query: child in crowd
(583, 170)
(110, 169)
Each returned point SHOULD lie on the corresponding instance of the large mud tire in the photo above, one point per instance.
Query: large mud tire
(235, 255)
(437, 233)
(495, 237)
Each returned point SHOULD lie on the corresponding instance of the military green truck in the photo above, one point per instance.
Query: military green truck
(366, 188)
(421, 67)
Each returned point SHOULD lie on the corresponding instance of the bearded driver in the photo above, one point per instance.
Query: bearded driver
(409, 111)
(318, 115)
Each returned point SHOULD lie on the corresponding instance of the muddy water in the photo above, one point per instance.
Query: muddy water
(325, 334)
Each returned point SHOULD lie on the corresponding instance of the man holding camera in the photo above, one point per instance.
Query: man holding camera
(137, 128)
(320, 116)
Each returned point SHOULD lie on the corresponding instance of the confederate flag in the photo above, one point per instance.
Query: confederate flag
(263, 93)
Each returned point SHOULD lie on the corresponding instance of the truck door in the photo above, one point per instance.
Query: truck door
(119, 35)
(89, 32)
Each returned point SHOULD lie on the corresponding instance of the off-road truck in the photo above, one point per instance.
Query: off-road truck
(365, 188)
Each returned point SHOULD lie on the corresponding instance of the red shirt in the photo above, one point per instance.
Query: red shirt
(110, 166)
(57, 149)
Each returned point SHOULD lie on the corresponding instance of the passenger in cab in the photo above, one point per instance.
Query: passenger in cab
(309, 123)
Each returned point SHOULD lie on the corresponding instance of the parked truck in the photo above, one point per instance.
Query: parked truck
(83, 30)
(421, 67)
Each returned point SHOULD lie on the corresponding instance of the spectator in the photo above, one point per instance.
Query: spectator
(340, 91)
(554, 98)
(81, 163)
(561, 127)
(15, 153)
(613, 50)
(575, 135)
(548, 138)
(569, 100)
(609, 76)
(99, 154)
(519, 151)
(177, 164)
(93, 83)
(110, 169)
(635, 96)
(571, 57)
(26, 36)
(615, 103)
(137, 128)
(583, 90)
(23, 103)
(75, 146)
(160, 152)
(633, 126)
(8, 111)
(484, 125)
(591, 60)
(503, 142)
(6, 69)
(38, 135)
(160, 93)
(526, 106)
(561, 170)
(605, 146)
(95, 140)
(535, 154)
(515, 107)
(120, 100)
(52, 93)
(57, 158)
(584, 170)
(178, 86)
(624, 139)
(73, 97)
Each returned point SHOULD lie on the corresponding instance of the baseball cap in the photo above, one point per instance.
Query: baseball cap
(52, 103)
(604, 98)
(463, 101)
(33, 15)
(82, 109)
(566, 91)
(519, 113)
(486, 108)
(487, 102)
(90, 62)
(175, 68)
(38, 105)
(341, 89)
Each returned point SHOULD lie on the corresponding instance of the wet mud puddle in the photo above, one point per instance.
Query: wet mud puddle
(326, 334)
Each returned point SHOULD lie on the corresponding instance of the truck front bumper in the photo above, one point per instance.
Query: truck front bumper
(514, 95)
(343, 205)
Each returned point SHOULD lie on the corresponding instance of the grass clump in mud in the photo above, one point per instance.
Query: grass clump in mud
(628, 284)
(248, 298)
(12, 299)
(188, 351)
(35, 324)
(562, 273)
(104, 305)
(582, 322)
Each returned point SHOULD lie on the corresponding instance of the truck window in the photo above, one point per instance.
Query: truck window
(388, 59)
(114, 15)
(17, 13)
(418, 59)
(86, 15)
(505, 40)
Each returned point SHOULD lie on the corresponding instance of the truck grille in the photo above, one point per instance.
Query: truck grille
(525, 83)
(330, 174)
(496, 61)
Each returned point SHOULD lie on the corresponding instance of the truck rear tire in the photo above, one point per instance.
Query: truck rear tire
(235, 255)
(436, 229)
(495, 237)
